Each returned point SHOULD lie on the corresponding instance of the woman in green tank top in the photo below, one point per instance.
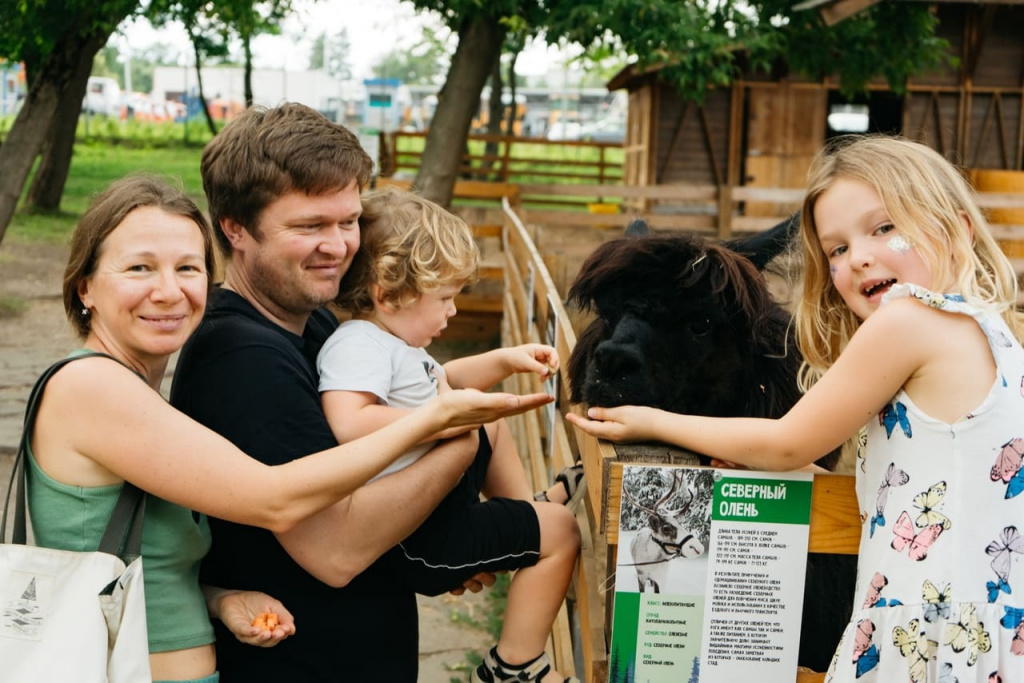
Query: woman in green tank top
(135, 288)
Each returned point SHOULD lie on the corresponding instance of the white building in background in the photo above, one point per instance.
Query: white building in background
(270, 87)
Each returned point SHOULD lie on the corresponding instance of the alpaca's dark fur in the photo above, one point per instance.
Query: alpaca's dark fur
(685, 325)
(689, 326)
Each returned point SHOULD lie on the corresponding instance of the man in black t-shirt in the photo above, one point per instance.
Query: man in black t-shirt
(283, 188)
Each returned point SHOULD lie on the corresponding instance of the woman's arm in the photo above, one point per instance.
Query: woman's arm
(97, 412)
(866, 376)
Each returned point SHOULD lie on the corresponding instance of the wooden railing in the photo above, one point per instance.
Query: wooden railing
(534, 313)
(514, 159)
(717, 210)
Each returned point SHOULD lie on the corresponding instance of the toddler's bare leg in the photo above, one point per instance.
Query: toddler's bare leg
(506, 477)
(537, 592)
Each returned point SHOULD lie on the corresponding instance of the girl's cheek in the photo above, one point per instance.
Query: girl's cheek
(832, 272)
(899, 244)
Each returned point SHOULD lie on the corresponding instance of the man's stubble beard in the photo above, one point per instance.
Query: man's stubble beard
(288, 293)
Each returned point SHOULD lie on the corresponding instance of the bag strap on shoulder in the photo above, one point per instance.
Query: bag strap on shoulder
(124, 530)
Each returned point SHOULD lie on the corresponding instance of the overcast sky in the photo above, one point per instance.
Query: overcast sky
(375, 27)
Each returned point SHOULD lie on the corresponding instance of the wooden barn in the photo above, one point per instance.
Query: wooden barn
(763, 130)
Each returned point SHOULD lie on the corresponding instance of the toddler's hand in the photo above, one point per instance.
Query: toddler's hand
(537, 358)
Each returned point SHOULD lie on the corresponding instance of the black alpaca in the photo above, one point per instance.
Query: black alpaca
(689, 326)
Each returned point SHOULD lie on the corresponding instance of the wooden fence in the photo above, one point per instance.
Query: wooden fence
(513, 159)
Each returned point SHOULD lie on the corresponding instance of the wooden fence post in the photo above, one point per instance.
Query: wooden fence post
(724, 211)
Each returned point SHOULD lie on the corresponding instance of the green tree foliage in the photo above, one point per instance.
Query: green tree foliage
(702, 43)
(58, 41)
(697, 43)
(212, 25)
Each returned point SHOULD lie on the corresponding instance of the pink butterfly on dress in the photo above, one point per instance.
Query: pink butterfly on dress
(878, 582)
(905, 534)
(1007, 467)
(1017, 644)
(862, 638)
(1008, 461)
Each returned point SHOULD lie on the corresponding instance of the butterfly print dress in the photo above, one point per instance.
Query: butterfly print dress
(940, 581)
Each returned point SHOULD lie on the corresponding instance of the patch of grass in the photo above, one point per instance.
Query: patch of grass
(473, 660)
(11, 306)
(93, 167)
(497, 598)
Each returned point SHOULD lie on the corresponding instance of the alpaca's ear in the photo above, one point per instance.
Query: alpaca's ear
(762, 248)
(637, 228)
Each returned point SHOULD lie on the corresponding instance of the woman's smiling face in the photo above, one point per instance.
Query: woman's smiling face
(866, 253)
(148, 291)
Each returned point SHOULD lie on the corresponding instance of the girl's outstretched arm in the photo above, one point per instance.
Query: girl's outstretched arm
(893, 345)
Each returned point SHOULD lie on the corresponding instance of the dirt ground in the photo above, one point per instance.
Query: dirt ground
(31, 340)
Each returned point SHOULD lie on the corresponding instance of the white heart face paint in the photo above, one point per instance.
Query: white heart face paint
(899, 244)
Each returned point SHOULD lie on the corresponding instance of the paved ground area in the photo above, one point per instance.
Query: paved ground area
(30, 341)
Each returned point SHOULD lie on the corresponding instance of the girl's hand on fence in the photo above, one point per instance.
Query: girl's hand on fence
(622, 423)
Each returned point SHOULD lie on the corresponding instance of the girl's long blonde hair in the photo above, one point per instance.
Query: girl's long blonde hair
(928, 200)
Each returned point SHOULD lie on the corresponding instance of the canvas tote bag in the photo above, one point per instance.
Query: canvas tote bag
(65, 615)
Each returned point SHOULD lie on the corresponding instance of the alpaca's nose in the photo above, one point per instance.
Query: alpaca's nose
(624, 352)
(615, 359)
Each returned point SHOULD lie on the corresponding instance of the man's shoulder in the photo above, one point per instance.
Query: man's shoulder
(231, 319)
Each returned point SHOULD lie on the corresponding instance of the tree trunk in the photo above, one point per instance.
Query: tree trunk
(33, 122)
(51, 175)
(199, 79)
(479, 41)
(494, 117)
(513, 110)
(247, 47)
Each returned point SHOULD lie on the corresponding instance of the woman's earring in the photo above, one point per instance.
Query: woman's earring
(85, 311)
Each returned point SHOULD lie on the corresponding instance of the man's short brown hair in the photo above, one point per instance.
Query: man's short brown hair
(265, 153)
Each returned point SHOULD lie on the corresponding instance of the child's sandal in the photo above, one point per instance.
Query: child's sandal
(493, 670)
(575, 485)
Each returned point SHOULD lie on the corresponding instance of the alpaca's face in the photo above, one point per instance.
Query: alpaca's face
(685, 326)
(672, 330)
(660, 346)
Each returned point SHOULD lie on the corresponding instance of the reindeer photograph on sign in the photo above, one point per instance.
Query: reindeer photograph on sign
(709, 578)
